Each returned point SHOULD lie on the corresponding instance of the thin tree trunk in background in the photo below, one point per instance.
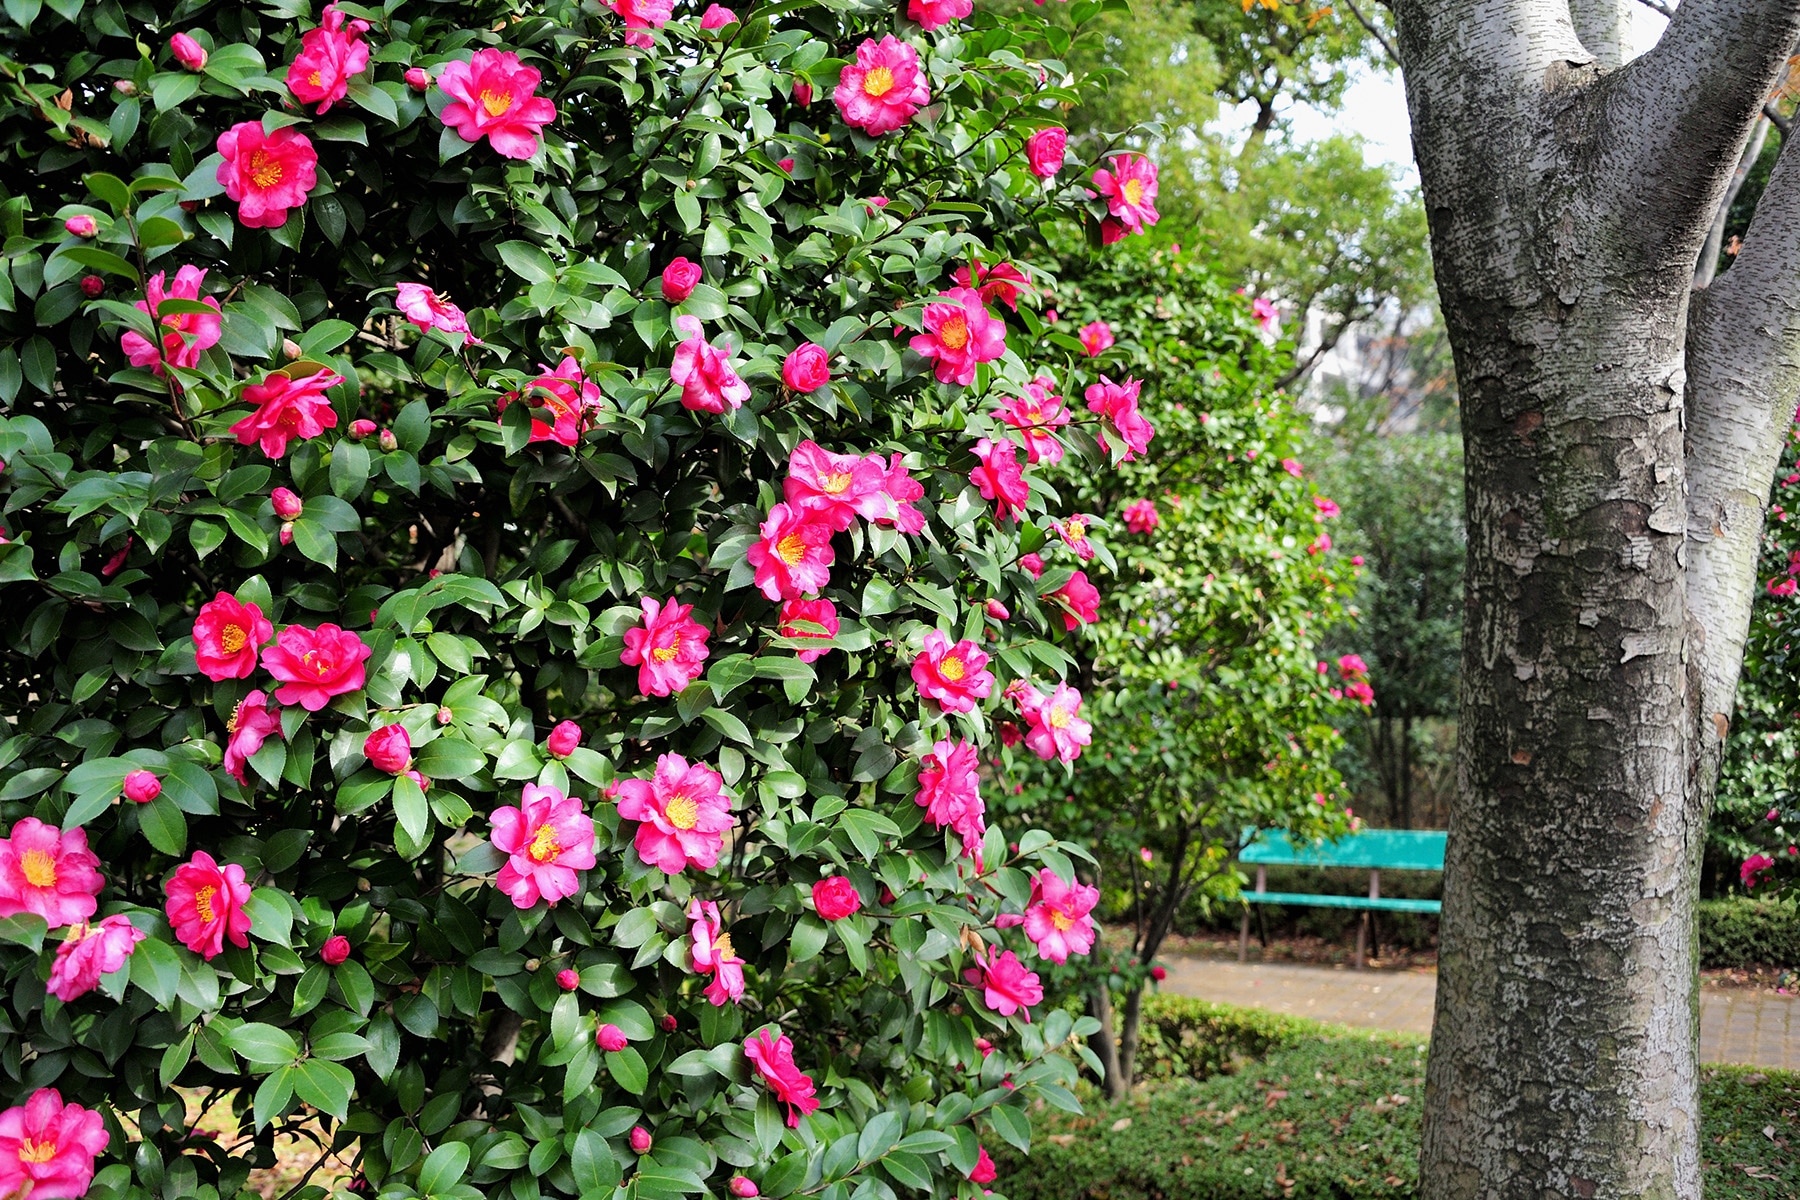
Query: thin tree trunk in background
(1130, 1029)
(1105, 1042)
(1406, 781)
(1708, 267)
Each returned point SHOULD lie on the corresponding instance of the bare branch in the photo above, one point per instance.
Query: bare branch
(1775, 118)
(1375, 31)
(1667, 10)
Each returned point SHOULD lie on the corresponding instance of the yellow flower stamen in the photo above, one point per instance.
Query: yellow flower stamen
(39, 868)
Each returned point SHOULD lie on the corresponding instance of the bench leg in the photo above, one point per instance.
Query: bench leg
(1244, 938)
(1362, 937)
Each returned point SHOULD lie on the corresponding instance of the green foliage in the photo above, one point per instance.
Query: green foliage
(1747, 1133)
(494, 577)
(1274, 54)
(1736, 931)
(1186, 1038)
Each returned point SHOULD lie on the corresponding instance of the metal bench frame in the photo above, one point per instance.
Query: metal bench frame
(1376, 849)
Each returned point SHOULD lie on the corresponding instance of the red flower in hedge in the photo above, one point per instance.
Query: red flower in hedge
(567, 393)
(1000, 477)
(834, 488)
(881, 90)
(955, 676)
(807, 367)
(564, 739)
(709, 383)
(428, 310)
(227, 633)
(47, 1148)
(248, 728)
(835, 898)
(1130, 191)
(314, 665)
(949, 791)
(188, 52)
(184, 335)
(1044, 151)
(794, 556)
(1057, 728)
(1096, 338)
(679, 279)
(329, 56)
(1037, 414)
(546, 840)
(1006, 986)
(90, 952)
(1079, 601)
(1073, 532)
(683, 813)
(1057, 916)
(141, 787)
(493, 96)
(667, 648)
(931, 14)
(49, 872)
(984, 1171)
(335, 950)
(266, 173)
(1141, 516)
(205, 905)
(1001, 282)
(389, 749)
(894, 506)
(773, 1057)
(1118, 404)
(959, 333)
(287, 409)
(710, 952)
(822, 613)
(639, 16)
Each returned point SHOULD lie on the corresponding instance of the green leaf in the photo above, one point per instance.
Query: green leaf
(263, 1044)
(628, 1070)
(443, 1168)
(372, 99)
(325, 1085)
(156, 968)
(449, 758)
(24, 929)
(411, 810)
(270, 918)
(808, 939)
(163, 825)
(273, 1096)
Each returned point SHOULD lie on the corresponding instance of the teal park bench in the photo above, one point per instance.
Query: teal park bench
(1376, 849)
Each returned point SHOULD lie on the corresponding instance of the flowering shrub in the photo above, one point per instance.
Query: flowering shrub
(526, 779)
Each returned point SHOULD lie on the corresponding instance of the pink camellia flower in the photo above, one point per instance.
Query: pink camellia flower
(931, 14)
(1045, 149)
(683, 813)
(1006, 986)
(141, 787)
(1073, 532)
(1118, 404)
(708, 381)
(1057, 728)
(949, 792)
(184, 335)
(835, 898)
(640, 1140)
(418, 79)
(250, 726)
(773, 1057)
(1130, 191)
(881, 90)
(834, 488)
(641, 16)
(1001, 282)
(794, 556)
(955, 676)
(287, 409)
(1000, 478)
(710, 953)
(389, 749)
(1079, 601)
(1356, 560)
(329, 56)
(743, 1188)
(567, 394)
(1141, 516)
(89, 952)
(82, 225)
(895, 505)
(1781, 588)
(807, 368)
(679, 279)
(1096, 338)
(188, 52)
(1361, 692)
(563, 740)
(335, 950)
(568, 979)
(428, 310)
(313, 665)
(667, 648)
(1033, 565)
(1754, 866)
(803, 91)
(1290, 465)
(611, 1038)
(546, 840)
(1037, 414)
(361, 428)
(1319, 544)
(266, 173)
(717, 17)
(1351, 665)
(959, 333)
(984, 1171)
(205, 905)
(286, 504)
(822, 613)
(45, 871)
(1057, 916)
(493, 96)
(1159, 973)
(48, 1148)
(1266, 315)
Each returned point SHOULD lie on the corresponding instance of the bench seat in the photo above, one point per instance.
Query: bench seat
(1317, 900)
(1374, 850)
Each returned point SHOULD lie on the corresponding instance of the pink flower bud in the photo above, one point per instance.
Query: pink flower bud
(679, 279)
(360, 429)
(92, 286)
(611, 1038)
(188, 52)
(387, 441)
(287, 533)
(1033, 564)
(1356, 560)
(290, 349)
(389, 749)
(803, 92)
(986, 1047)
(640, 1139)
(82, 225)
(668, 1023)
(568, 979)
(997, 610)
(287, 504)
(445, 716)
(1159, 974)
(335, 950)
(743, 1188)
(786, 164)
(564, 739)
(418, 79)
(141, 787)
(125, 87)
(717, 16)
(807, 368)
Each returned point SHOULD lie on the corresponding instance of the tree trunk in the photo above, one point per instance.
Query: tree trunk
(1405, 821)
(1567, 204)
(1708, 267)
(1129, 1030)
(1105, 1043)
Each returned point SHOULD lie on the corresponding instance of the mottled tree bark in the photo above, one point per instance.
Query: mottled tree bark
(1568, 198)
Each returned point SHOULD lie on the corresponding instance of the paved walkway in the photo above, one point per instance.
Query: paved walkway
(1736, 1026)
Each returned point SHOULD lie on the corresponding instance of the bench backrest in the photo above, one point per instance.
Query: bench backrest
(1375, 849)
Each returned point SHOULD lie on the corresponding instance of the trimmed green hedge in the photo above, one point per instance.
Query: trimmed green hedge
(1184, 1038)
(1737, 931)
